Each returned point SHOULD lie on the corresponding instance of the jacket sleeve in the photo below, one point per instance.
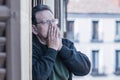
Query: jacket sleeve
(77, 62)
(42, 65)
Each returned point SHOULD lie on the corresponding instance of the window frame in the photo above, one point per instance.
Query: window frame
(117, 62)
(95, 66)
(117, 33)
(95, 55)
(70, 30)
(95, 36)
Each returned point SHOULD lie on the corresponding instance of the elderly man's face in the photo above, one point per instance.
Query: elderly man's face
(44, 19)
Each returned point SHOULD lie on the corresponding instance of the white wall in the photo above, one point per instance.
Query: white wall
(84, 27)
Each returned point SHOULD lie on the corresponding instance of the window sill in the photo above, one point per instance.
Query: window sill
(117, 73)
(98, 74)
(117, 39)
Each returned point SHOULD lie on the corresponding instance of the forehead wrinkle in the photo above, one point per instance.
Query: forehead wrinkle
(44, 15)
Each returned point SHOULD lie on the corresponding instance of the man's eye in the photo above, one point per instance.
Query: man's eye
(43, 22)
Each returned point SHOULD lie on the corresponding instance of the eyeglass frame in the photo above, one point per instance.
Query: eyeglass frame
(48, 21)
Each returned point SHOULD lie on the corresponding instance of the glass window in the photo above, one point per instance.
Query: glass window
(95, 61)
(70, 30)
(117, 36)
(118, 28)
(96, 32)
(117, 61)
(61, 13)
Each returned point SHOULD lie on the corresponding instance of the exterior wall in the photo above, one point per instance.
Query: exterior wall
(83, 27)
(85, 24)
(18, 31)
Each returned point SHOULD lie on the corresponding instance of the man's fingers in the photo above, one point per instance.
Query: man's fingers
(54, 31)
(49, 32)
(59, 33)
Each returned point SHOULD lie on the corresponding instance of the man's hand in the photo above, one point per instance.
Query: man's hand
(54, 37)
(60, 37)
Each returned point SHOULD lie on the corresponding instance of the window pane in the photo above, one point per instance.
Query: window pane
(117, 27)
(70, 30)
(118, 52)
(95, 60)
(117, 60)
(95, 30)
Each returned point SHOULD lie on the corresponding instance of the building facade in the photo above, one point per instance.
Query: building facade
(96, 31)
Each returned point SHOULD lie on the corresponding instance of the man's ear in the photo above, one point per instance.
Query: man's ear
(34, 29)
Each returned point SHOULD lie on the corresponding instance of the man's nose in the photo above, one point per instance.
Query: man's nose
(52, 23)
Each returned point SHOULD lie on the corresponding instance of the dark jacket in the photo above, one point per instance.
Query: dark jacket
(43, 62)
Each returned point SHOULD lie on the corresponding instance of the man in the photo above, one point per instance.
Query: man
(53, 58)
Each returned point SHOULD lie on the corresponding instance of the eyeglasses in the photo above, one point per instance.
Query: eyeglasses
(48, 21)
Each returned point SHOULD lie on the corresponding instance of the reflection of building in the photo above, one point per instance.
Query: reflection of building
(95, 24)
